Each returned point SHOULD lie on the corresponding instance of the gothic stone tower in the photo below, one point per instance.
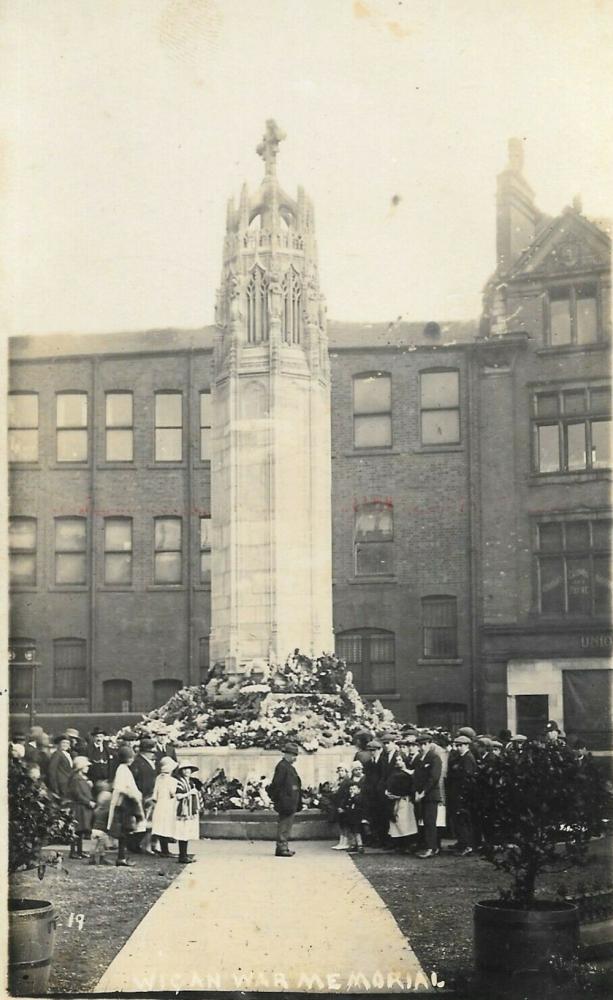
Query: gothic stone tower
(271, 518)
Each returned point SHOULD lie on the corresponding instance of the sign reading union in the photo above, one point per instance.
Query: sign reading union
(596, 640)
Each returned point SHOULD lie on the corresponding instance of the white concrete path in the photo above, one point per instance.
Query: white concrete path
(241, 919)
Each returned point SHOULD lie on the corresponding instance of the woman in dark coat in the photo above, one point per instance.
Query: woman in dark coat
(79, 793)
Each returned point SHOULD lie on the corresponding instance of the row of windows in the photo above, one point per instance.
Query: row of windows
(574, 567)
(439, 394)
(369, 654)
(71, 424)
(572, 429)
(70, 551)
(573, 561)
(70, 676)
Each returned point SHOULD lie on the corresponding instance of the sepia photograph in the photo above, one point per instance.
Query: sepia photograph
(307, 510)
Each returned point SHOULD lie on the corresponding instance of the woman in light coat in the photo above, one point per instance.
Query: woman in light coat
(126, 814)
(163, 820)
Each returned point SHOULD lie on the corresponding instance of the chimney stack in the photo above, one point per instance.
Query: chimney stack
(516, 214)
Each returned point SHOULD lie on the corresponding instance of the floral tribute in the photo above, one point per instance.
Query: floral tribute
(220, 794)
(312, 702)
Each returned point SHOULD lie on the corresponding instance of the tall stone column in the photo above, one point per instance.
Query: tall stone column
(271, 465)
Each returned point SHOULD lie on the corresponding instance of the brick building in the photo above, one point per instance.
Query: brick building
(471, 511)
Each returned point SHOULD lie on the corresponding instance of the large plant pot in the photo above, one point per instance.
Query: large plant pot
(510, 940)
(31, 941)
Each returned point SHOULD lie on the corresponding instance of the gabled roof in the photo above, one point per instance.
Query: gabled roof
(571, 241)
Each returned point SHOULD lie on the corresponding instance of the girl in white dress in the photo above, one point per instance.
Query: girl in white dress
(163, 820)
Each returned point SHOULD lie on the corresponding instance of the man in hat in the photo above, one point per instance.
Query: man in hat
(462, 768)
(428, 791)
(390, 760)
(285, 791)
(99, 757)
(78, 746)
(370, 790)
(144, 771)
(60, 767)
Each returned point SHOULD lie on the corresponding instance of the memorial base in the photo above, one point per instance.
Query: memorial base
(261, 824)
(253, 763)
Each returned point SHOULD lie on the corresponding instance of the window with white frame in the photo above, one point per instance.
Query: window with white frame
(440, 407)
(370, 655)
(71, 426)
(70, 551)
(372, 410)
(168, 555)
(168, 426)
(573, 566)
(374, 539)
(205, 425)
(118, 551)
(571, 429)
(119, 417)
(572, 314)
(22, 426)
(22, 551)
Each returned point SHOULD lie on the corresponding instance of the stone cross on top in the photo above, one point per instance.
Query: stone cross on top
(269, 145)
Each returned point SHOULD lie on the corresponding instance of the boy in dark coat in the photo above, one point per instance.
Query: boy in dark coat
(285, 791)
(462, 767)
(82, 804)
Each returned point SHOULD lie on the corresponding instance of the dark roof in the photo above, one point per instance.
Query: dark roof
(58, 345)
(342, 336)
(400, 334)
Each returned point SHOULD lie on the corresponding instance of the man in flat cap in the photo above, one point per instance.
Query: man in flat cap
(285, 791)
(428, 791)
(461, 773)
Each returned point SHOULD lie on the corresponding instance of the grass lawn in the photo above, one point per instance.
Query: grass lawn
(432, 902)
(112, 902)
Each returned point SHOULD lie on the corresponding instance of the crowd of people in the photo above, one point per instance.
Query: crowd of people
(128, 794)
(406, 791)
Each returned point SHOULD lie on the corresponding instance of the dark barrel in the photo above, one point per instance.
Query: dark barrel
(31, 940)
(511, 940)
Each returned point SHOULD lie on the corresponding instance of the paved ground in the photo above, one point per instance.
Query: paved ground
(241, 919)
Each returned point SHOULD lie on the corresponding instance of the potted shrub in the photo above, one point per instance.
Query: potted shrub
(34, 820)
(537, 806)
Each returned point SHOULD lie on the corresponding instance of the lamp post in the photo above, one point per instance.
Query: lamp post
(20, 657)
